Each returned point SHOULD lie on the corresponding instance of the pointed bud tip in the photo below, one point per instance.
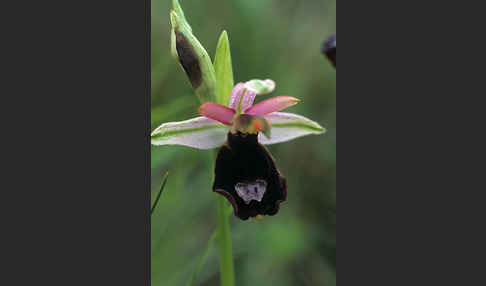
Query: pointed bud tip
(174, 20)
(224, 36)
(290, 99)
(293, 101)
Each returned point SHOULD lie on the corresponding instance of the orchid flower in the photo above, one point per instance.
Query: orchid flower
(245, 171)
(209, 131)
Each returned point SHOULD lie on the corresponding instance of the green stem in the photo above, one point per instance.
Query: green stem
(164, 181)
(226, 267)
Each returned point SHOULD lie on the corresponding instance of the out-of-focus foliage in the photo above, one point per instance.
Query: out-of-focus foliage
(273, 39)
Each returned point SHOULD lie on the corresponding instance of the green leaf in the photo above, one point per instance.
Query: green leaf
(223, 69)
(193, 58)
(160, 192)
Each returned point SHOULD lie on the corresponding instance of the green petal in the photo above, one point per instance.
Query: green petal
(199, 133)
(288, 126)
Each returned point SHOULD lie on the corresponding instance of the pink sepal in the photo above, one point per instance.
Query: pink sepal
(271, 105)
(217, 112)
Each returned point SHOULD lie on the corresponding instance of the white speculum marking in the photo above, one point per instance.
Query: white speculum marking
(251, 190)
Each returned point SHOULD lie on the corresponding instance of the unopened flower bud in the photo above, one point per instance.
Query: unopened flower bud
(193, 58)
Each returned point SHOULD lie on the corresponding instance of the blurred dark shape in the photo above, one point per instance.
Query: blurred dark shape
(329, 49)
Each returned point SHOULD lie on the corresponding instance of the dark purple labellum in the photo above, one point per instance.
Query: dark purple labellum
(246, 175)
(329, 49)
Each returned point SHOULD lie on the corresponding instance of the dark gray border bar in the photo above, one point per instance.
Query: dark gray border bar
(75, 185)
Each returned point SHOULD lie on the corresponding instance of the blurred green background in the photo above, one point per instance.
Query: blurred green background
(269, 39)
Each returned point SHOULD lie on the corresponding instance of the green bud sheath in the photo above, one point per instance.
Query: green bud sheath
(180, 13)
(173, 49)
(194, 59)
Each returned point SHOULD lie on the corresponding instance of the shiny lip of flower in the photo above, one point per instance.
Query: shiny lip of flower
(246, 175)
